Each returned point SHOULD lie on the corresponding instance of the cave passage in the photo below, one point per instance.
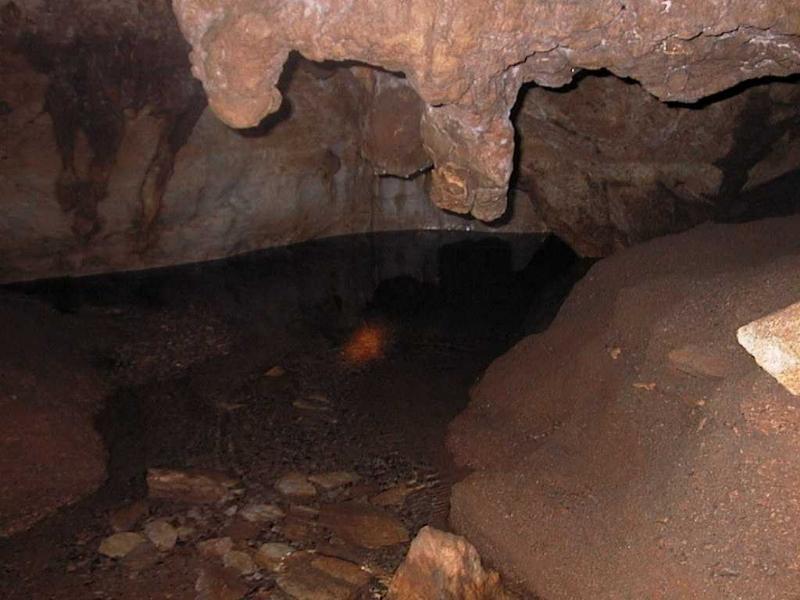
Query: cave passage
(348, 356)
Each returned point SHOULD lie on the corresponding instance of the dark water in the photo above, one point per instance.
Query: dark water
(501, 286)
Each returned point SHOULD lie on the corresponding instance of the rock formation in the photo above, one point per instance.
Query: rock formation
(634, 449)
(467, 61)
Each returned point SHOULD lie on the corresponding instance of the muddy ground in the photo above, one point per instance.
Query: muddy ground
(371, 369)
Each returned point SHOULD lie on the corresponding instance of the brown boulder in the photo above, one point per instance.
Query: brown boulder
(446, 567)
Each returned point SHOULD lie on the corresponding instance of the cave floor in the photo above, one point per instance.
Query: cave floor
(198, 385)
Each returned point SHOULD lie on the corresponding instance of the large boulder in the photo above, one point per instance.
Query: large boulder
(634, 449)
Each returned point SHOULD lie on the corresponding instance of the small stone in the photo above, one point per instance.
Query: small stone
(215, 547)
(299, 530)
(363, 525)
(231, 510)
(301, 511)
(239, 561)
(261, 513)
(276, 371)
(309, 405)
(120, 544)
(295, 484)
(334, 479)
(446, 566)
(163, 535)
(271, 555)
(193, 486)
(127, 517)
(216, 583)
(242, 530)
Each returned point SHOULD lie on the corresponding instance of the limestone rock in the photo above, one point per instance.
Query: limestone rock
(215, 547)
(774, 341)
(261, 513)
(121, 544)
(363, 525)
(295, 484)
(163, 535)
(307, 577)
(239, 561)
(480, 59)
(444, 566)
(271, 555)
(191, 486)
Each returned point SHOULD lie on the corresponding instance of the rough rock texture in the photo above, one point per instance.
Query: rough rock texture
(607, 165)
(467, 61)
(774, 341)
(46, 417)
(603, 470)
(446, 567)
(110, 160)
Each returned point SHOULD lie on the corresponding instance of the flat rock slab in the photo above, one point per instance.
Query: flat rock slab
(363, 525)
(311, 577)
(774, 341)
(191, 486)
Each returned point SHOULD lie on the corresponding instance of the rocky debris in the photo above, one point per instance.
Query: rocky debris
(308, 577)
(295, 485)
(217, 583)
(334, 479)
(127, 517)
(774, 341)
(271, 555)
(215, 547)
(197, 486)
(163, 535)
(121, 544)
(240, 562)
(363, 525)
(261, 513)
(444, 566)
(142, 557)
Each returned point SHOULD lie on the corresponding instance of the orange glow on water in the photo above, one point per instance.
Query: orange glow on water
(367, 343)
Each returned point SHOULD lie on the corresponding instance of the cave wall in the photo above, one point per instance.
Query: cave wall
(110, 159)
(606, 165)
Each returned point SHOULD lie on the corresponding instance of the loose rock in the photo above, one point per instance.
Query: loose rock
(774, 341)
(261, 513)
(202, 487)
(363, 525)
(239, 561)
(127, 517)
(444, 566)
(215, 547)
(163, 535)
(271, 555)
(120, 544)
(295, 484)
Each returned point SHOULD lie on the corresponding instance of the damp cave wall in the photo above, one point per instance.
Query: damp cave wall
(111, 160)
